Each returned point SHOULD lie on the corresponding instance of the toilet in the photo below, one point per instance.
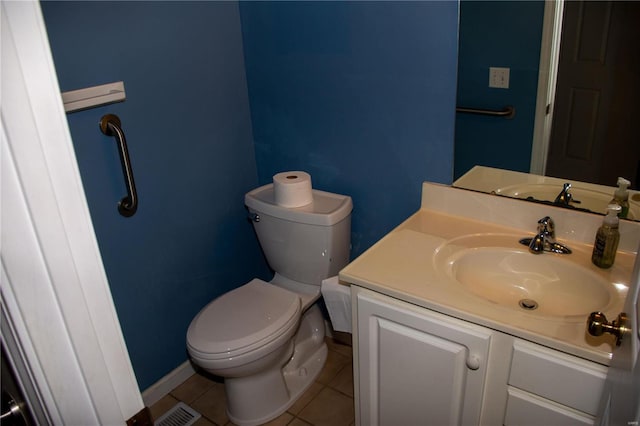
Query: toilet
(266, 339)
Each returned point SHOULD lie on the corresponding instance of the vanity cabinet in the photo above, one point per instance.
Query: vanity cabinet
(415, 366)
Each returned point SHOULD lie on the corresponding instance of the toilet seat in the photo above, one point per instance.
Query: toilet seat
(243, 320)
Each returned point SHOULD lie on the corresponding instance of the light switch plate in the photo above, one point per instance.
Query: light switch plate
(499, 77)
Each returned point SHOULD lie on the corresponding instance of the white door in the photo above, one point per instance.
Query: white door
(620, 403)
(594, 130)
(59, 325)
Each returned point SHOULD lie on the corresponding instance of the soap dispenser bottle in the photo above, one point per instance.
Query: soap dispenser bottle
(621, 197)
(607, 239)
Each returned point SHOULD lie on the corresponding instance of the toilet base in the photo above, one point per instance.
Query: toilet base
(259, 399)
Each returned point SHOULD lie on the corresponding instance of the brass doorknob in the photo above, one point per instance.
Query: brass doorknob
(597, 325)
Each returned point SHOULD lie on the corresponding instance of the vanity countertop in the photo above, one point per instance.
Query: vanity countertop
(402, 265)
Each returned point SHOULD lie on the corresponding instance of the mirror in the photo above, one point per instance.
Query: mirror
(571, 194)
(590, 132)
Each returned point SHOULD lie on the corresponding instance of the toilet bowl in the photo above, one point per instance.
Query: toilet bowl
(266, 339)
(260, 320)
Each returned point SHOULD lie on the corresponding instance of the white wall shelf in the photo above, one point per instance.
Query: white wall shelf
(90, 97)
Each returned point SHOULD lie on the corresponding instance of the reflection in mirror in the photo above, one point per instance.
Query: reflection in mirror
(565, 193)
(588, 133)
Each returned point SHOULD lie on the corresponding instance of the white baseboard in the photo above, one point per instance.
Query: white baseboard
(162, 387)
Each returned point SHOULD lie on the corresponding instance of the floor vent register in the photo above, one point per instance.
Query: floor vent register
(180, 415)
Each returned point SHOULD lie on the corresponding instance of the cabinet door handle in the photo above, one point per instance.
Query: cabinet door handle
(473, 362)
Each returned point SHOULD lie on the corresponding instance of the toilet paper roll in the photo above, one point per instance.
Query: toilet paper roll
(292, 189)
(337, 298)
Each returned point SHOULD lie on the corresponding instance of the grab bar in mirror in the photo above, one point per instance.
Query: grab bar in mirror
(507, 112)
(110, 125)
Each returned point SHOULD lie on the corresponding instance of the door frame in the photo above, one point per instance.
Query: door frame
(547, 78)
(59, 325)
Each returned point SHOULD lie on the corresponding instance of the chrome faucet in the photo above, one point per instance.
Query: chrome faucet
(545, 239)
(564, 197)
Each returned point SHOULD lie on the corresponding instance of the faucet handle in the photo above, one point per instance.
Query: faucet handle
(546, 226)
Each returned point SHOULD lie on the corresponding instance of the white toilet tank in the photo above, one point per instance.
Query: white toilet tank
(305, 244)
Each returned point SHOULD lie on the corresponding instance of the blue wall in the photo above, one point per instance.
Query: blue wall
(359, 94)
(497, 34)
(188, 128)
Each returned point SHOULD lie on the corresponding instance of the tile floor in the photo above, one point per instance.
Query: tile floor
(329, 400)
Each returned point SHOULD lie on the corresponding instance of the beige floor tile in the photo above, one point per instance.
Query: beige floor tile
(213, 404)
(298, 422)
(162, 406)
(203, 421)
(281, 420)
(343, 382)
(329, 408)
(306, 397)
(192, 388)
(335, 363)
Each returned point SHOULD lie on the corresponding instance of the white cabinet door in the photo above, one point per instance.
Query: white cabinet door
(417, 367)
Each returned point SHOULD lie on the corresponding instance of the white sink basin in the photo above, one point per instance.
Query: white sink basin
(500, 270)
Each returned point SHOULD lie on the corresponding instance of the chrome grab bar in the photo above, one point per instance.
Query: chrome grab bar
(507, 112)
(110, 125)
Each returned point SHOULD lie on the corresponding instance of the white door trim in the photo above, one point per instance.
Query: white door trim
(54, 288)
(547, 77)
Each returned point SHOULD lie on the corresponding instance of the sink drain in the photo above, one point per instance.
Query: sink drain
(528, 304)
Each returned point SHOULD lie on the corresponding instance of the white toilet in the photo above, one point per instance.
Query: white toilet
(267, 339)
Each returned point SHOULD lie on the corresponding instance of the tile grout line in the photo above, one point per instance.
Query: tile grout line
(194, 399)
(335, 388)
(198, 395)
(308, 402)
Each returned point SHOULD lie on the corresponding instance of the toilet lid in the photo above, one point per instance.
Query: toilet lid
(243, 319)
